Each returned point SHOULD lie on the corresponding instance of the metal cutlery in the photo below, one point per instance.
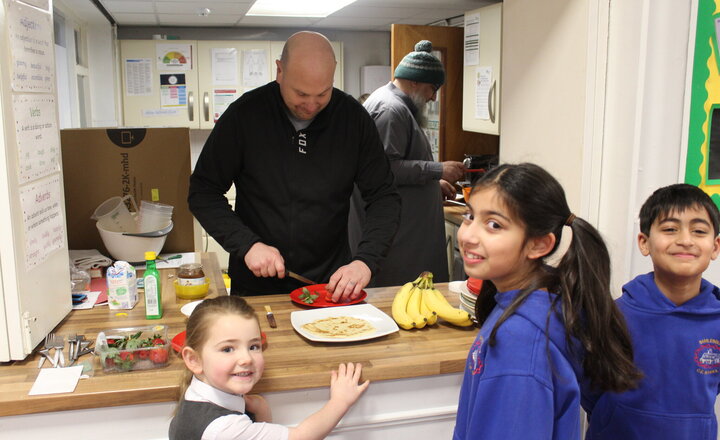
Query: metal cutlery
(301, 278)
(77, 346)
(72, 339)
(58, 343)
(84, 348)
(45, 351)
(270, 317)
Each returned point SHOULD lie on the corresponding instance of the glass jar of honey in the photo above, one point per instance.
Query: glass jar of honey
(191, 274)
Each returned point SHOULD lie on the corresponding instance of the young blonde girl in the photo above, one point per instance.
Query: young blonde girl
(549, 335)
(223, 355)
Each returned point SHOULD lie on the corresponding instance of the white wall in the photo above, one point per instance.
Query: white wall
(643, 123)
(543, 100)
(102, 75)
(594, 91)
(104, 80)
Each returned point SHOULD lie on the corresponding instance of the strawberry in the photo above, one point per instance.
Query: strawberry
(158, 341)
(109, 363)
(143, 354)
(159, 355)
(127, 356)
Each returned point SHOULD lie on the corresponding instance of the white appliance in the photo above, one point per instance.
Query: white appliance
(34, 263)
(372, 77)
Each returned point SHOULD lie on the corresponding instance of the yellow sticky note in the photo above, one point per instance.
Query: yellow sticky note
(155, 195)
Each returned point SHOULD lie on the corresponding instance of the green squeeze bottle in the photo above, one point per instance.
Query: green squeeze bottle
(152, 283)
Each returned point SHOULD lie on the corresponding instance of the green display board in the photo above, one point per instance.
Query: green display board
(702, 166)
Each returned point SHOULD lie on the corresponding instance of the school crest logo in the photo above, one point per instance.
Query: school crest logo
(707, 356)
(475, 363)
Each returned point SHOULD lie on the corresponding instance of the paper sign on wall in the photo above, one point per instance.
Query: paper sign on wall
(30, 33)
(138, 77)
(224, 66)
(173, 90)
(37, 137)
(222, 98)
(174, 57)
(43, 219)
(255, 68)
(472, 39)
(483, 79)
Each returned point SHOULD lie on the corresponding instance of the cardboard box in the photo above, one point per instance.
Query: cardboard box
(150, 163)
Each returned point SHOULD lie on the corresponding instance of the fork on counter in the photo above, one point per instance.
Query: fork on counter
(58, 343)
(72, 340)
(45, 351)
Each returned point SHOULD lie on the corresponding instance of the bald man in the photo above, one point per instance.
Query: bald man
(294, 148)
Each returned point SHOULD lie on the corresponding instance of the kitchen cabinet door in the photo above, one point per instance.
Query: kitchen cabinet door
(481, 72)
(227, 69)
(276, 51)
(159, 83)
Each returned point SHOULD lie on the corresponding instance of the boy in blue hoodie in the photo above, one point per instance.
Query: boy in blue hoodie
(673, 315)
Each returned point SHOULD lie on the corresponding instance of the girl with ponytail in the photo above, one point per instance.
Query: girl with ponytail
(550, 335)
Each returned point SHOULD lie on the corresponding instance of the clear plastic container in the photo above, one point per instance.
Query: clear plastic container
(133, 348)
(154, 216)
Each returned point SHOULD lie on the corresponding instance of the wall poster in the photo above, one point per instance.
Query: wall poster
(44, 222)
(702, 161)
(177, 57)
(37, 134)
(30, 33)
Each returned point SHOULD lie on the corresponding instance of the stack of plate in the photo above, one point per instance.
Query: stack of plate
(467, 297)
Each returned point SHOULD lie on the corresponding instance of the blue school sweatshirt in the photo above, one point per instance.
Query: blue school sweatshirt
(678, 350)
(526, 386)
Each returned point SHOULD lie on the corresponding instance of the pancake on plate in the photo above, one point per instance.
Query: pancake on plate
(339, 327)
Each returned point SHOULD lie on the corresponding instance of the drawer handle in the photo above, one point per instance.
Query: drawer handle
(491, 102)
(191, 106)
(206, 106)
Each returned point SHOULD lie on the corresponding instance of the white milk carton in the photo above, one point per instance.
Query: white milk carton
(122, 285)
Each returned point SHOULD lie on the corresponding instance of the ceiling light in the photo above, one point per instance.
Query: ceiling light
(295, 8)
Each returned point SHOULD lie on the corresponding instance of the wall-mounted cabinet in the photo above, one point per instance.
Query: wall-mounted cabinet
(190, 83)
(481, 72)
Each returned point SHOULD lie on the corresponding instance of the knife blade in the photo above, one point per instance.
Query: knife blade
(292, 274)
(270, 317)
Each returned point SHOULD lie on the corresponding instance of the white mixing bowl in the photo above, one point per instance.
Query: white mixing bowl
(131, 247)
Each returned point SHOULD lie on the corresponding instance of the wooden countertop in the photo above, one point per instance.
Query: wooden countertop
(291, 362)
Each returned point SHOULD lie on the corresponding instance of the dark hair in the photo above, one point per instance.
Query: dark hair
(203, 317)
(581, 279)
(676, 198)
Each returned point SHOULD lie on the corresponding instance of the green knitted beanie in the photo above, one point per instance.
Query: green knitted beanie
(421, 66)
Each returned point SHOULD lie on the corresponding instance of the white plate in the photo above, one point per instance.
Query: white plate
(188, 308)
(384, 325)
(456, 286)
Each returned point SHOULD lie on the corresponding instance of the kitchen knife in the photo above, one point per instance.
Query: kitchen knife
(300, 278)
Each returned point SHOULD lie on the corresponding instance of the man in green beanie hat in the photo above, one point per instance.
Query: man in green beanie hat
(398, 109)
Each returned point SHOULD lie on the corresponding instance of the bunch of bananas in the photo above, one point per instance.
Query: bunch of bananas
(419, 303)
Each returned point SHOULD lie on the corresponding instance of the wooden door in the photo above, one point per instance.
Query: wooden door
(454, 142)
